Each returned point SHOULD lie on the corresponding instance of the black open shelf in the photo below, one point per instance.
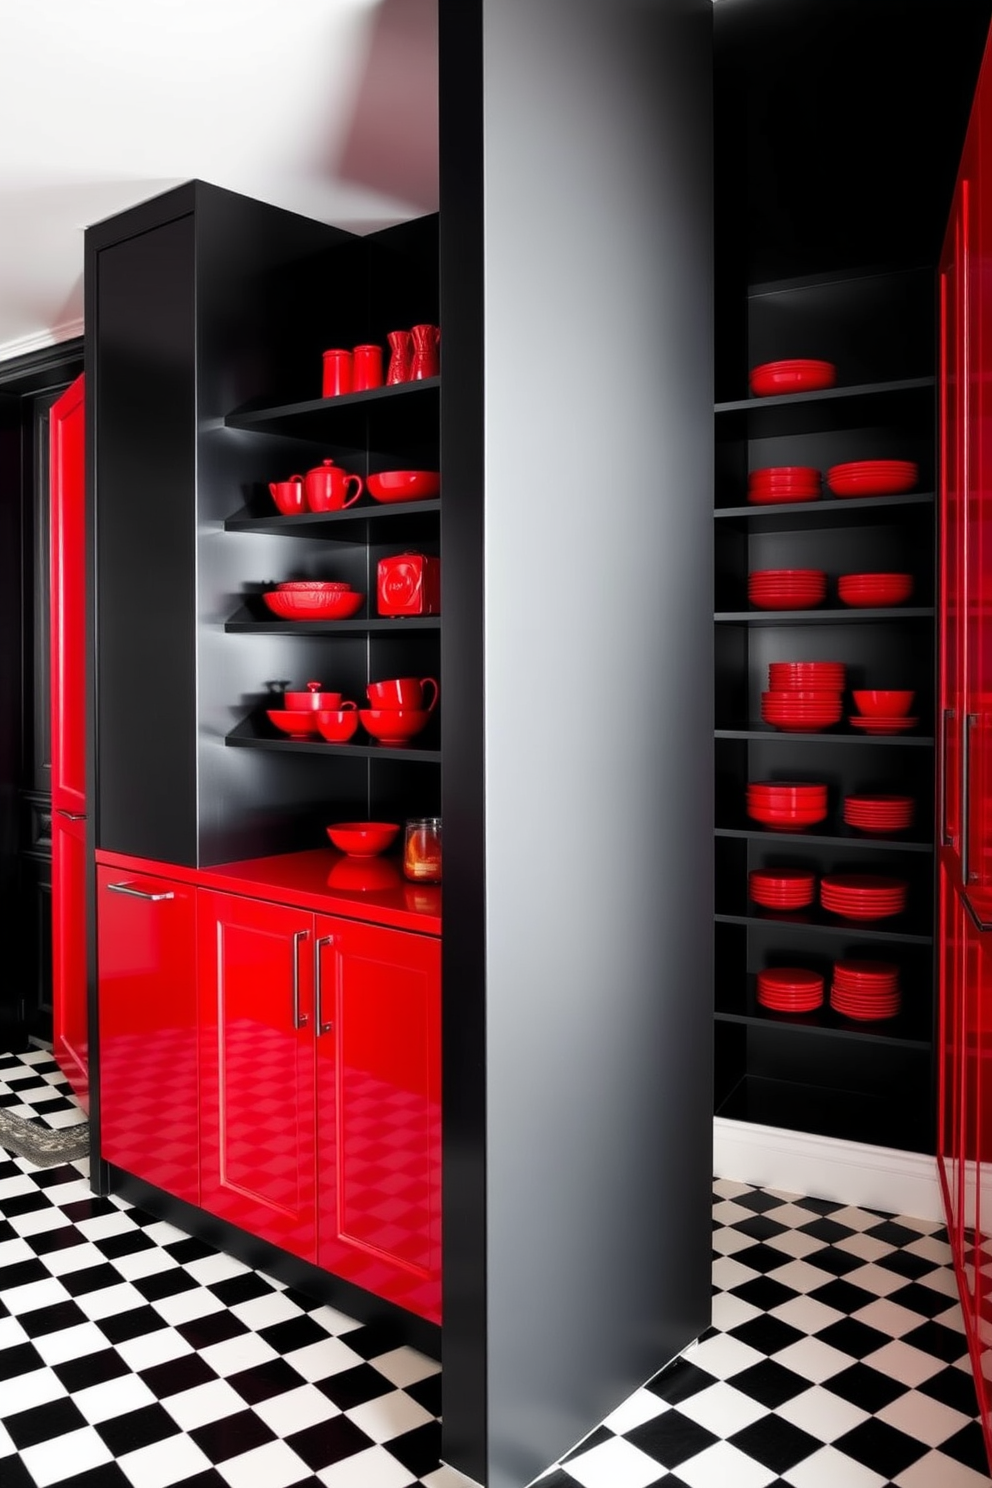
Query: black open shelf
(845, 616)
(842, 836)
(906, 1031)
(243, 623)
(817, 919)
(834, 408)
(829, 511)
(379, 418)
(401, 522)
(251, 734)
(851, 736)
(851, 1115)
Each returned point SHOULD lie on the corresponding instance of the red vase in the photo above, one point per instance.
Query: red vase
(426, 361)
(400, 351)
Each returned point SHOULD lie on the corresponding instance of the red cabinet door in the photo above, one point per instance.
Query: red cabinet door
(379, 1110)
(952, 539)
(146, 949)
(67, 574)
(951, 1069)
(257, 1067)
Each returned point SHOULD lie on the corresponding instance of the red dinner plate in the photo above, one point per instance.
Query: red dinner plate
(882, 725)
(794, 375)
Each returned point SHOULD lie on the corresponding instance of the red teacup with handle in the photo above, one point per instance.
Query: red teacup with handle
(403, 692)
(327, 486)
(288, 495)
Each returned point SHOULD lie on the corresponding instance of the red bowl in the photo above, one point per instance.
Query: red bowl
(873, 477)
(404, 485)
(298, 723)
(798, 375)
(785, 475)
(363, 839)
(313, 699)
(875, 704)
(393, 725)
(338, 725)
(787, 791)
(862, 590)
(337, 606)
(313, 586)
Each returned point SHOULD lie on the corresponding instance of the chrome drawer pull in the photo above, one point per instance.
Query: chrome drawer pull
(322, 1027)
(71, 815)
(123, 888)
(299, 1019)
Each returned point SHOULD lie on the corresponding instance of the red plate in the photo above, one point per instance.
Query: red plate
(863, 883)
(796, 375)
(775, 498)
(873, 477)
(882, 725)
(790, 978)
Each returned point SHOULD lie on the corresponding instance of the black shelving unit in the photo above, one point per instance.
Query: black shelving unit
(823, 1072)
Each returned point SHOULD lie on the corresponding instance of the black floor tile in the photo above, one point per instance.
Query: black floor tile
(881, 1448)
(775, 1443)
(137, 1428)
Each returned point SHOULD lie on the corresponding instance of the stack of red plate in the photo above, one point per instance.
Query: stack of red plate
(865, 989)
(786, 805)
(807, 676)
(879, 813)
(781, 888)
(778, 483)
(790, 989)
(873, 477)
(880, 723)
(862, 590)
(798, 375)
(863, 896)
(787, 588)
(801, 712)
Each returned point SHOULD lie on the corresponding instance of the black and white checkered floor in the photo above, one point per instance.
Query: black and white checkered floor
(132, 1356)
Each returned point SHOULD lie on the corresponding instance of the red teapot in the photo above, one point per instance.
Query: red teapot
(326, 487)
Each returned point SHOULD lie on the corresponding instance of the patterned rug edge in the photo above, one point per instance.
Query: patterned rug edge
(42, 1145)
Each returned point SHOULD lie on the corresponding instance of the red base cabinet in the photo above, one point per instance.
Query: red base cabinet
(149, 1101)
(320, 1090)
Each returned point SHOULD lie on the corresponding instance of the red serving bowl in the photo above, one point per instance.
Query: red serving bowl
(312, 699)
(298, 723)
(337, 725)
(791, 791)
(874, 589)
(784, 820)
(875, 704)
(873, 477)
(339, 605)
(394, 725)
(404, 485)
(363, 839)
(313, 586)
(797, 375)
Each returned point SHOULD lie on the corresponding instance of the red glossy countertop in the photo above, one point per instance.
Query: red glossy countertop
(322, 880)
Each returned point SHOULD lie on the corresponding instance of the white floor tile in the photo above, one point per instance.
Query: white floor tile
(888, 1317)
(211, 1401)
(822, 1414)
(794, 1243)
(235, 1354)
(730, 1311)
(320, 1360)
(806, 1314)
(24, 1391)
(11, 1332)
(142, 1263)
(727, 1241)
(83, 1449)
(801, 1276)
(35, 1294)
(295, 1410)
(373, 1468)
(163, 1463)
(729, 1273)
(274, 1465)
(102, 1226)
(642, 1406)
(389, 1415)
(878, 1280)
(111, 1398)
(74, 1258)
(866, 1246)
(614, 1464)
(728, 1188)
(931, 1249)
(184, 1307)
(209, 1270)
(71, 1343)
(153, 1348)
(900, 1361)
(722, 1409)
(262, 1312)
(721, 1466)
(923, 1419)
(812, 1359)
(934, 1470)
(405, 1366)
(723, 1356)
(829, 1468)
(107, 1302)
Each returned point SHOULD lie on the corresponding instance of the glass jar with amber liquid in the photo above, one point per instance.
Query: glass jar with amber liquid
(422, 849)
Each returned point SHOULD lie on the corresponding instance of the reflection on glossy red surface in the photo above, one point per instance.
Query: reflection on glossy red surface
(364, 875)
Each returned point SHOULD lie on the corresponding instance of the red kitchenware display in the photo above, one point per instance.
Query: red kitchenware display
(314, 586)
(425, 361)
(403, 692)
(394, 726)
(884, 704)
(337, 372)
(792, 809)
(797, 712)
(366, 367)
(313, 698)
(879, 813)
(338, 725)
(789, 989)
(298, 723)
(863, 896)
(404, 485)
(873, 477)
(863, 590)
(363, 839)
(288, 495)
(339, 605)
(409, 584)
(327, 486)
(796, 375)
(781, 888)
(882, 725)
(400, 354)
(784, 588)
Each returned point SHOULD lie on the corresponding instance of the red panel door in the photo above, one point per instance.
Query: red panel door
(379, 1110)
(949, 1137)
(68, 730)
(146, 948)
(952, 533)
(257, 1067)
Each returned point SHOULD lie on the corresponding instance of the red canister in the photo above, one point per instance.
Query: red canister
(409, 584)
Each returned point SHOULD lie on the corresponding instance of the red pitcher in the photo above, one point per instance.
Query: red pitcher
(426, 361)
(327, 485)
(400, 351)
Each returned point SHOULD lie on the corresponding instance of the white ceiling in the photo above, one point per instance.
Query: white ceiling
(327, 107)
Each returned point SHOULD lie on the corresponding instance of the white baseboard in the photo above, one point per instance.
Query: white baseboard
(849, 1172)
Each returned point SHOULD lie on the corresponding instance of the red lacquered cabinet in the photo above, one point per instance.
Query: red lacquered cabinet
(149, 1099)
(68, 734)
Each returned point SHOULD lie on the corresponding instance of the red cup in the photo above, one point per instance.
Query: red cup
(402, 692)
(288, 495)
(366, 367)
(337, 372)
(337, 725)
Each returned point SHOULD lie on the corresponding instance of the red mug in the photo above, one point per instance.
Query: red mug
(366, 368)
(337, 373)
(327, 487)
(402, 692)
(288, 495)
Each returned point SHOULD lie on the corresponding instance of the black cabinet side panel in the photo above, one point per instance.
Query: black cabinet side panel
(144, 462)
(10, 652)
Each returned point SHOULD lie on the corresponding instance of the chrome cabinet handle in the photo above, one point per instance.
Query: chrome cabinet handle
(322, 1027)
(299, 1019)
(71, 815)
(970, 719)
(946, 839)
(125, 888)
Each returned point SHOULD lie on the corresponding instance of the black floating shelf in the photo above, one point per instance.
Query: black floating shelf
(825, 1022)
(833, 1112)
(845, 616)
(379, 418)
(833, 408)
(245, 624)
(395, 522)
(766, 732)
(816, 920)
(829, 512)
(843, 838)
(248, 735)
